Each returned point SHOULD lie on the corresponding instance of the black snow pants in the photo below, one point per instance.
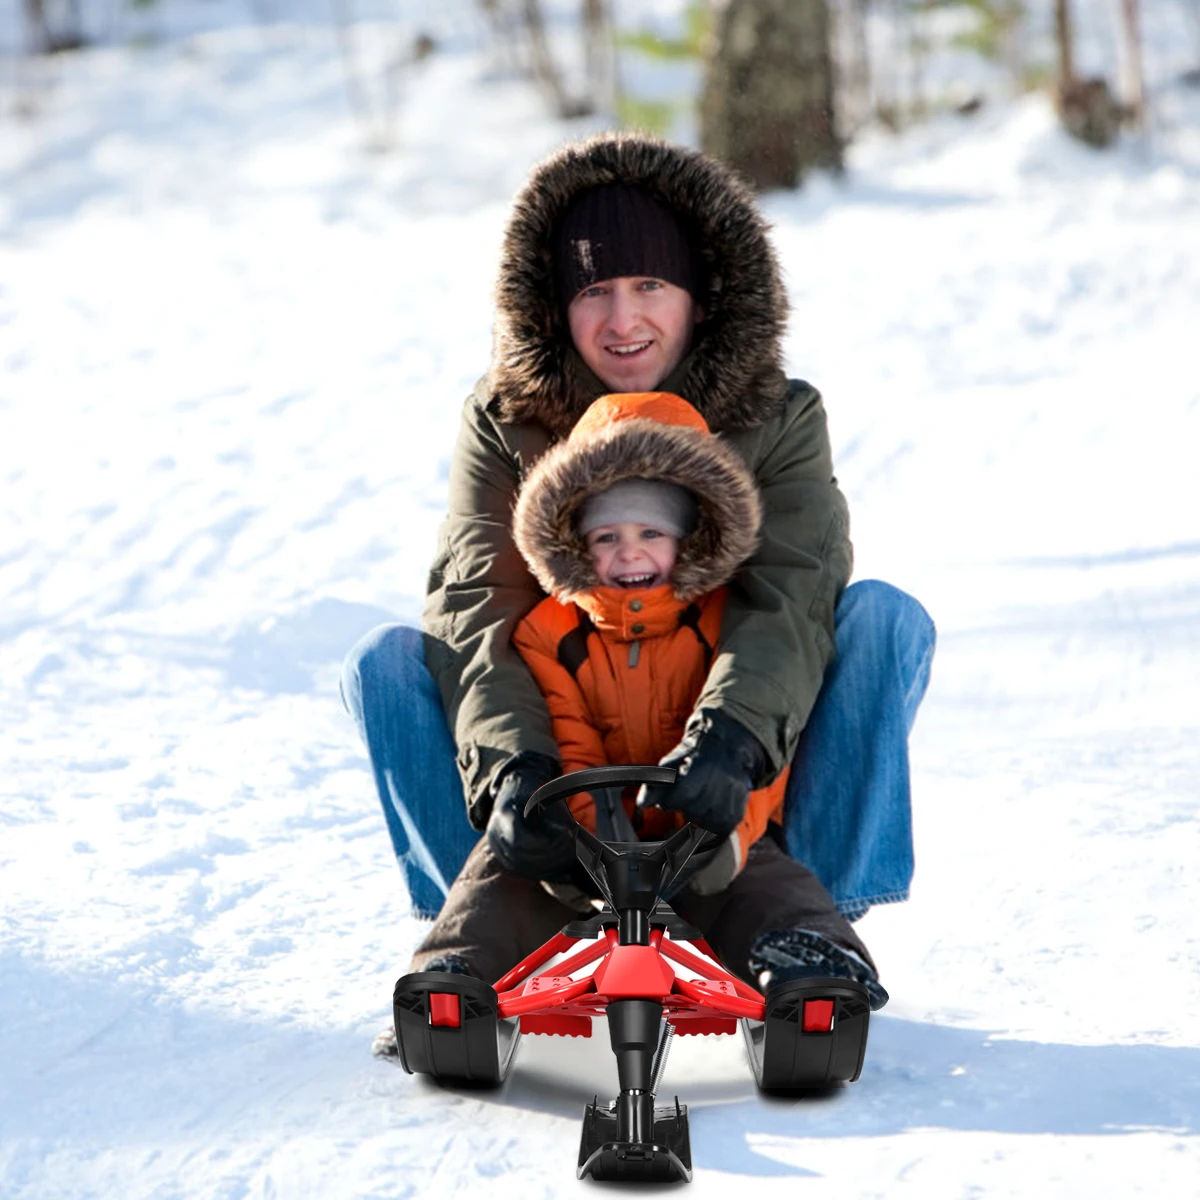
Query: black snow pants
(492, 918)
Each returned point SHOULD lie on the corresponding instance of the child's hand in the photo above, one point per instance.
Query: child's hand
(717, 762)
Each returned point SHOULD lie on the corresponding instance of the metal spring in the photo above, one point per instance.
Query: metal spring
(660, 1056)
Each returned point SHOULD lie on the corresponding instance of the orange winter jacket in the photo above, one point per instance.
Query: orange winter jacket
(621, 671)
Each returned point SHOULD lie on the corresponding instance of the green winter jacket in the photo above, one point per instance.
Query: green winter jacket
(777, 633)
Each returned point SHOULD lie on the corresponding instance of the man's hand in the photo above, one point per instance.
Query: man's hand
(718, 763)
(539, 846)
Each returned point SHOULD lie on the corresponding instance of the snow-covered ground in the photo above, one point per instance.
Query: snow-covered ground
(233, 349)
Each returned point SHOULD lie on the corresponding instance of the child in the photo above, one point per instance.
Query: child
(635, 525)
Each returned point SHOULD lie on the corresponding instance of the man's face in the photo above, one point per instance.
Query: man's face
(632, 331)
(631, 555)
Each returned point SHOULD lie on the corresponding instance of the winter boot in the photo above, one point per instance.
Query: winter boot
(785, 955)
(819, 998)
(385, 1044)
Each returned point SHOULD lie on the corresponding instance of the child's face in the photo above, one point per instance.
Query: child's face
(629, 555)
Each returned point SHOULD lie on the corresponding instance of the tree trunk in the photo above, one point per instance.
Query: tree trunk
(545, 69)
(598, 52)
(851, 66)
(52, 37)
(1066, 44)
(1131, 15)
(767, 107)
(858, 74)
(1086, 107)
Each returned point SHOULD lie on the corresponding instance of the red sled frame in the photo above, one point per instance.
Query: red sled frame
(806, 1034)
(554, 1003)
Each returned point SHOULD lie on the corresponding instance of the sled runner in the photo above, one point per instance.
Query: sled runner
(622, 964)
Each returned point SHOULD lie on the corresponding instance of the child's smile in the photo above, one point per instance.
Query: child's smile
(630, 555)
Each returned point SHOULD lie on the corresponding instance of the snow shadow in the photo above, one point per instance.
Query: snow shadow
(871, 193)
(102, 1063)
(1135, 554)
(293, 653)
(920, 1075)
(278, 655)
(1166, 615)
(283, 654)
(917, 1075)
(99, 1059)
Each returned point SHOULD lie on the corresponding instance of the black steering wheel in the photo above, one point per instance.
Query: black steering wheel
(596, 777)
(629, 874)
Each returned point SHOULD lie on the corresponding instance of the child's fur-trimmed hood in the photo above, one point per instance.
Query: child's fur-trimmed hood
(652, 435)
(733, 374)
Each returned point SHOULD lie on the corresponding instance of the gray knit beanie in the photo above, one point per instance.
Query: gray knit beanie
(665, 506)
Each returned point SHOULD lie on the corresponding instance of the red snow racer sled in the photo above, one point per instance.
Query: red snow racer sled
(811, 1033)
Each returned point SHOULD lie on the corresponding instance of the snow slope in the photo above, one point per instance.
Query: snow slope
(232, 353)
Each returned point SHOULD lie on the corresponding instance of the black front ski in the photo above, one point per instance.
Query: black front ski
(664, 1158)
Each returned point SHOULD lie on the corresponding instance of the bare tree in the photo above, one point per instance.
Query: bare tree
(767, 107)
(852, 65)
(545, 68)
(1131, 20)
(504, 26)
(373, 87)
(54, 26)
(916, 19)
(598, 54)
(1193, 11)
(518, 29)
(1064, 36)
(1085, 106)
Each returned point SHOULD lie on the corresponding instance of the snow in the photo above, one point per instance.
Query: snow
(233, 347)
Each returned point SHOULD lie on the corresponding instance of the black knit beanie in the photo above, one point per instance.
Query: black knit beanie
(615, 230)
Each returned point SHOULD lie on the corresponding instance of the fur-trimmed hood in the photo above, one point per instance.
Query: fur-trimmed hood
(733, 374)
(648, 435)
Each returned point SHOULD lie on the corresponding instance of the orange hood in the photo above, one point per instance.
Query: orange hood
(647, 435)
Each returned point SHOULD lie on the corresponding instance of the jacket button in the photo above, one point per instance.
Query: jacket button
(635, 606)
(638, 628)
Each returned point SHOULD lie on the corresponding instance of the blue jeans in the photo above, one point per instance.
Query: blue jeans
(848, 810)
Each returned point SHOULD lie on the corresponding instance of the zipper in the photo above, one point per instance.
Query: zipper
(635, 652)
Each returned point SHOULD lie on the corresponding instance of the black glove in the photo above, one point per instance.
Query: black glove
(718, 764)
(540, 846)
